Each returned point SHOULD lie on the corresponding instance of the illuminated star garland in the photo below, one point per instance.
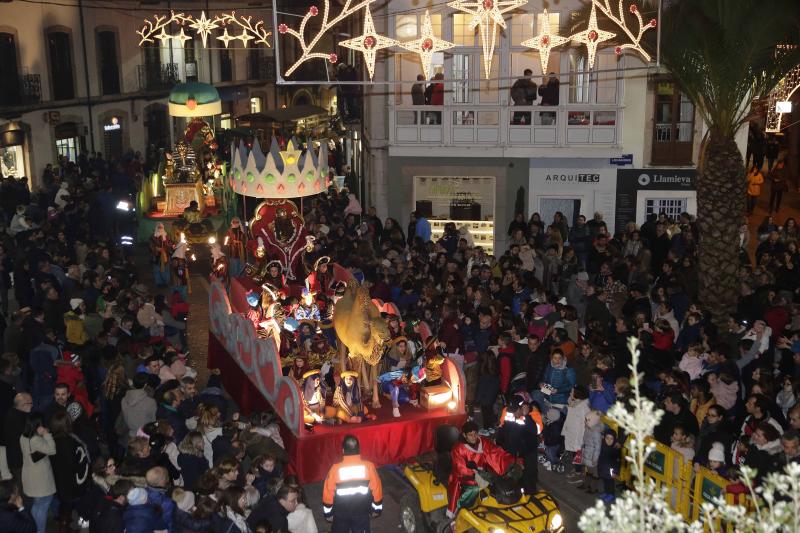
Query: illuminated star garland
(487, 16)
(427, 45)
(369, 42)
(592, 36)
(545, 41)
(203, 26)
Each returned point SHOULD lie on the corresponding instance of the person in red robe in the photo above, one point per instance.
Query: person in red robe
(470, 453)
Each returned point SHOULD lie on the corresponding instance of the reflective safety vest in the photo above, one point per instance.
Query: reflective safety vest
(506, 416)
(352, 488)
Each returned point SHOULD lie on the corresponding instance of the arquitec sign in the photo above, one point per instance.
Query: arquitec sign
(572, 178)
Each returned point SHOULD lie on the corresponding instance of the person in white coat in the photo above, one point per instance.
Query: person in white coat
(38, 482)
(575, 425)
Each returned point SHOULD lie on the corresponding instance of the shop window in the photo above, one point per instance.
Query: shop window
(672, 207)
(12, 162)
(109, 66)
(9, 71)
(255, 104)
(225, 65)
(225, 121)
(68, 148)
(673, 134)
(60, 48)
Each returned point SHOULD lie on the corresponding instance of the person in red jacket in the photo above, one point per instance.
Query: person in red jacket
(505, 362)
(70, 373)
(470, 453)
(437, 94)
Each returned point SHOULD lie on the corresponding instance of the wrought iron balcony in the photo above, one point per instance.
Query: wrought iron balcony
(158, 77)
(24, 89)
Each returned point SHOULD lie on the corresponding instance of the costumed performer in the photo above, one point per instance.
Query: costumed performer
(470, 453)
(402, 386)
(272, 314)
(254, 312)
(180, 271)
(307, 309)
(394, 325)
(314, 409)
(398, 356)
(161, 248)
(272, 273)
(434, 359)
(321, 281)
(323, 355)
(219, 264)
(235, 247)
(347, 400)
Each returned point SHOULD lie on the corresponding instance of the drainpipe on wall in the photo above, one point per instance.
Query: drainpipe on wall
(86, 76)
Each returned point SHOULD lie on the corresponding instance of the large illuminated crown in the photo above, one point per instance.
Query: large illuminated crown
(290, 173)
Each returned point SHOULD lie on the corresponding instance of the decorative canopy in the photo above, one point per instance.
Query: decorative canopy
(194, 99)
(290, 173)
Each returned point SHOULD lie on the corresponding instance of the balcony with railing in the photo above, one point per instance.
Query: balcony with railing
(24, 89)
(572, 125)
(158, 76)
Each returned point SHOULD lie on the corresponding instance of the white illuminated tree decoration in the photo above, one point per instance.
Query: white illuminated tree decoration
(369, 43)
(427, 45)
(487, 16)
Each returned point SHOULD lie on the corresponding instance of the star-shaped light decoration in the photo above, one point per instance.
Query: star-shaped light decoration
(182, 37)
(592, 36)
(204, 26)
(244, 37)
(427, 45)
(163, 36)
(487, 15)
(369, 43)
(226, 38)
(545, 41)
(291, 155)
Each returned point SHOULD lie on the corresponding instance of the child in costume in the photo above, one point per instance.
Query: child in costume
(347, 400)
(314, 409)
(219, 264)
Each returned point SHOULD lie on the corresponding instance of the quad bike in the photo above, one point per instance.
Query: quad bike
(501, 507)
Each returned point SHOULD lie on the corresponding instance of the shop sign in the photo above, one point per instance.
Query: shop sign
(624, 159)
(573, 178)
(631, 181)
(113, 125)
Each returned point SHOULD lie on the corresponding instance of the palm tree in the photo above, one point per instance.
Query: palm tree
(724, 54)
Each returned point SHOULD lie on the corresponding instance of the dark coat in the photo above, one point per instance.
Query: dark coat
(12, 519)
(70, 467)
(107, 517)
(269, 510)
(142, 519)
(608, 462)
(192, 467)
(186, 523)
(12, 431)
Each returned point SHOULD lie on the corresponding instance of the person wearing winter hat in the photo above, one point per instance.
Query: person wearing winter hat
(73, 319)
(160, 250)
(140, 516)
(180, 271)
(716, 457)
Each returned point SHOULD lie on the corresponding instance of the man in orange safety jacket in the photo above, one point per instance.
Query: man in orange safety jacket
(352, 492)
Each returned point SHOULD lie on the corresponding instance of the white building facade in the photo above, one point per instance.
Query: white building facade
(621, 116)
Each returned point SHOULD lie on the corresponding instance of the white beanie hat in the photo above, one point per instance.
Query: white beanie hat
(75, 303)
(137, 496)
(717, 452)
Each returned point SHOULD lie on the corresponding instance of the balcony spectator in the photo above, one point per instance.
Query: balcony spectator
(549, 90)
(418, 91)
(523, 93)
(437, 89)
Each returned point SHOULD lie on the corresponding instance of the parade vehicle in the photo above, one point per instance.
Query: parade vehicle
(500, 507)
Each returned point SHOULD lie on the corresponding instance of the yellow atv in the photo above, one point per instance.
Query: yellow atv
(499, 508)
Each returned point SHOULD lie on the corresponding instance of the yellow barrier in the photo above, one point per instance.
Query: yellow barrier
(686, 490)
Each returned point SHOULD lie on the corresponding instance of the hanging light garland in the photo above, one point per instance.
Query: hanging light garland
(427, 45)
(487, 16)
(369, 42)
(157, 28)
(592, 36)
(545, 41)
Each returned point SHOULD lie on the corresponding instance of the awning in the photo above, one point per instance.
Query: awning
(11, 134)
(288, 114)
